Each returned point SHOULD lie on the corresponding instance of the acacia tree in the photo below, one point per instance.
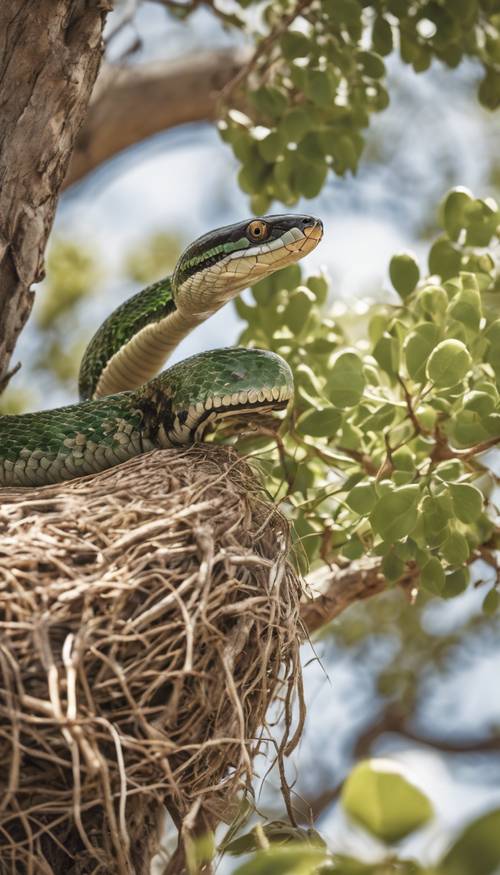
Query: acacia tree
(380, 463)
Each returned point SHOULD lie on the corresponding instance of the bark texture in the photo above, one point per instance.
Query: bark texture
(131, 104)
(50, 51)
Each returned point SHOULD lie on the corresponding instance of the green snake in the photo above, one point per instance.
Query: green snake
(125, 410)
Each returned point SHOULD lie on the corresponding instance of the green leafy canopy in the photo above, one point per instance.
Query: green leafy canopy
(319, 75)
(381, 453)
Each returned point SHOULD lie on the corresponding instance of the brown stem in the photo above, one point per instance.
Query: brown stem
(264, 45)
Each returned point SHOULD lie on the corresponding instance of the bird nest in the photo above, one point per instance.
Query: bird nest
(148, 619)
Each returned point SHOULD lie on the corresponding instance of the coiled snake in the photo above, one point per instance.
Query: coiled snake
(125, 410)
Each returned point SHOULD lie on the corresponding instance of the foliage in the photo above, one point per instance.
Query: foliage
(318, 74)
(381, 452)
(476, 851)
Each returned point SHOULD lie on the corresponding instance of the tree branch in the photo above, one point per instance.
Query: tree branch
(131, 104)
(342, 587)
(51, 51)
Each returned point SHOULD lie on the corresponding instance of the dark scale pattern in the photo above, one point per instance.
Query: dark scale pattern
(147, 306)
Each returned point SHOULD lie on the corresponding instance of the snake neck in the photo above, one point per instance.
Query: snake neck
(138, 360)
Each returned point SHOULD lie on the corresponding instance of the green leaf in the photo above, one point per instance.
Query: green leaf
(455, 209)
(346, 382)
(298, 308)
(448, 363)
(251, 177)
(465, 307)
(386, 353)
(319, 288)
(320, 423)
(380, 798)
(436, 514)
(489, 90)
(444, 258)
(276, 831)
(309, 176)
(294, 859)
(403, 459)
(354, 548)
(433, 300)
(417, 349)
(362, 498)
(404, 273)
(477, 849)
(455, 583)
(479, 402)
(371, 64)
(455, 549)
(345, 11)
(392, 566)
(491, 602)
(483, 222)
(320, 87)
(467, 501)
(468, 429)
(395, 514)
(382, 39)
(294, 45)
(295, 125)
(380, 419)
(271, 146)
(432, 576)
(269, 100)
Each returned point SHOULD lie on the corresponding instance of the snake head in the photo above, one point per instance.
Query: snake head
(218, 384)
(220, 264)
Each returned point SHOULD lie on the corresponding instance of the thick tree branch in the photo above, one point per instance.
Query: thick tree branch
(341, 587)
(131, 104)
(50, 53)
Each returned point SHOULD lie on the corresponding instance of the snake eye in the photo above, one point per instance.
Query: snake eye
(258, 230)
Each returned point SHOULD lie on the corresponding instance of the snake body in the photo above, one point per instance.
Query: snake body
(125, 410)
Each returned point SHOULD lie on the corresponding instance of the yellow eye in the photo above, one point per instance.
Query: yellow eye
(258, 230)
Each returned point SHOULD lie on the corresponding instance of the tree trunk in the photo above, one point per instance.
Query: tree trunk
(49, 59)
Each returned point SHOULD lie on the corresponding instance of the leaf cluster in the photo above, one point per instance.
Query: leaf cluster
(381, 453)
(319, 74)
(380, 799)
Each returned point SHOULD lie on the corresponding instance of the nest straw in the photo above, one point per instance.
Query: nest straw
(148, 618)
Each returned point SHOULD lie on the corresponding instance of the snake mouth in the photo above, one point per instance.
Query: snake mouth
(256, 407)
(305, 240)
(210, 418)
(314, 231)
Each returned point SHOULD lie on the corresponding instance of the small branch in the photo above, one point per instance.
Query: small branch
(409, 404)
(343, 586)
(5, 380)
(262, 48)
(442, 451)
(394, 719)
(364, 460)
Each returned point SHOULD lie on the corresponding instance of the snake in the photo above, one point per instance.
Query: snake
(128, 406)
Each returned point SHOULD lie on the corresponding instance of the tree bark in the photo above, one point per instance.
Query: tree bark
(131, 104)
(50, 51)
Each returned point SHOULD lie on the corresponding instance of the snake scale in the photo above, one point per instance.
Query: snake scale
(125, 409)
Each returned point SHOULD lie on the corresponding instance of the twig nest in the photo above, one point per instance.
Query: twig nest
(149, 617)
